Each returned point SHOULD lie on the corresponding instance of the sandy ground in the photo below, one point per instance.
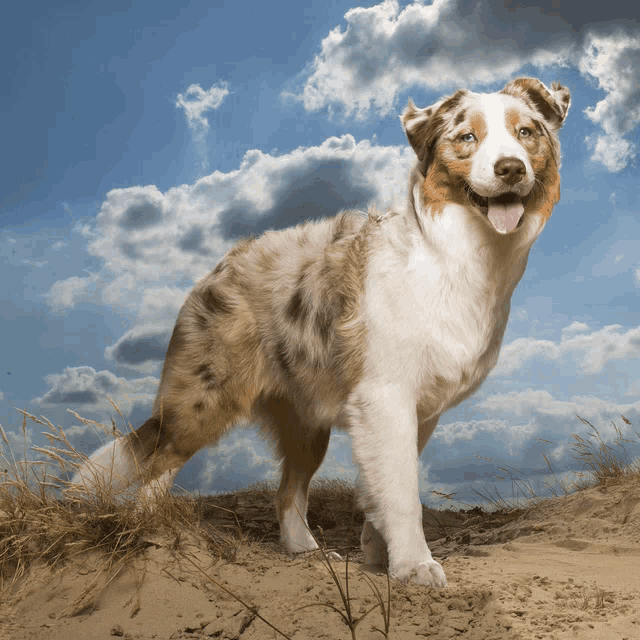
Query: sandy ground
(567, 568)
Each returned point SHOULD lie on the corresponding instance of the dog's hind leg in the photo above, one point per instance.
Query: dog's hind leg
(203, 392)
(153, 454)
(302, 450)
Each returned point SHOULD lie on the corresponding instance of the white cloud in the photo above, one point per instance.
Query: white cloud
(37, 264)
(161, 303)
(596, 349)
(67, 293)
(540, 403)
(148, 302)
(86, 386)
(383, 51)
(516, 353)
(141, 344)
(19, 444)
(575, 327)
(602, 346)
(81, 385)
(612, 150)
(146, 237)
(196, 102)
(124, 292)
(512, 436)
(240, 458)
(613, 59)
(445, 44)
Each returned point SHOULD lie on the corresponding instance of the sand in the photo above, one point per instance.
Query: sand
(568, 567)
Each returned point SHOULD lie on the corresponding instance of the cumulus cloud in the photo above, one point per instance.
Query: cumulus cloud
(575, 327)
(594, 350)
(512, 437)
(145, 236)
(383, 51)
(65, 294)
(195, 102)
(240, 459)
(78, 385)
(160, 303)
(613, 60)
(539, 402)
(86, 386)
(449, 43)
(140, 344)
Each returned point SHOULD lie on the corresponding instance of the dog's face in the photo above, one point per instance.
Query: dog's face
(497, 153)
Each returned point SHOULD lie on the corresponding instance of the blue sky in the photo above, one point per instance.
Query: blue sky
(141, 142)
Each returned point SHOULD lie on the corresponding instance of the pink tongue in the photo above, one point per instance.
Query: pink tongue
(505, 217)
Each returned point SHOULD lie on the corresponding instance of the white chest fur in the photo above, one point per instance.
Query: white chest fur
(437, 313)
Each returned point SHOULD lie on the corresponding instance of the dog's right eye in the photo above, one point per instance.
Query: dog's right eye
(467, 137)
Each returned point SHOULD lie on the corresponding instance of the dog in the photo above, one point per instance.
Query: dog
(373, 323)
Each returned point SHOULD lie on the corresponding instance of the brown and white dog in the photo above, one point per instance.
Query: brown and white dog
(375, 324)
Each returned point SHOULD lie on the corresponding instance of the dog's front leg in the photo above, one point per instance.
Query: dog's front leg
(384, 428)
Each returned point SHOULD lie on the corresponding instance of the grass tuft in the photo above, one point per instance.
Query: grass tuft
(44, 521)
(604, 462)
(601, 462)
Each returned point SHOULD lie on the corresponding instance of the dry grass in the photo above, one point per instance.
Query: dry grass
(601, 462)
(347, 612)
(605, 462)
(43, 521)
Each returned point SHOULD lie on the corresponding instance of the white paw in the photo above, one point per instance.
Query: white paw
(298, 540)
(429, 573)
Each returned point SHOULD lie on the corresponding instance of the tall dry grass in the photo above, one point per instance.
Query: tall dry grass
(45, 521)
(601, 462)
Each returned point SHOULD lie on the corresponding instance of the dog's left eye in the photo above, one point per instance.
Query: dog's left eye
(467, 137)
(525, 132)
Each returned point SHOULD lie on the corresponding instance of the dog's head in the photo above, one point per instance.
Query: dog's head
(497, 153)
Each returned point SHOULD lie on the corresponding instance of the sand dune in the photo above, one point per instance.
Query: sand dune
(567, 568)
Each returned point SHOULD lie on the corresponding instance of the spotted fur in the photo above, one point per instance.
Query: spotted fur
(372, 323)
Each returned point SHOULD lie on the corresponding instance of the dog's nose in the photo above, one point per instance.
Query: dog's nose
(510, 170)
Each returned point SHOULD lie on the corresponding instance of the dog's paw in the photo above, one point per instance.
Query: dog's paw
(429, 573)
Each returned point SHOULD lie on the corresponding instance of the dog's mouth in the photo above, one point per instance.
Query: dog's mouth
(504, 211)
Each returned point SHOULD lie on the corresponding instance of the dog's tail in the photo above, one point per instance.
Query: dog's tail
(113, 466)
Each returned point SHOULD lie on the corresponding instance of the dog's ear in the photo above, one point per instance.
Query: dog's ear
(418, 125)
(422, 127)
(552, 104)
